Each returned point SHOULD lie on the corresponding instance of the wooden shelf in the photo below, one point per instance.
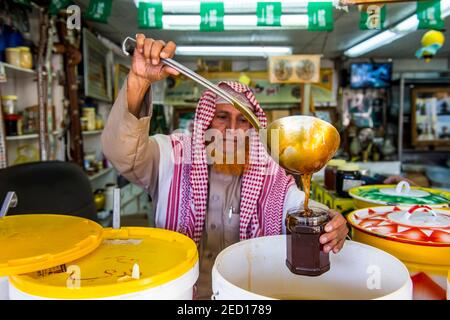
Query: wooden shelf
(22, 137)
(93, 132)
(18, 71)
(26, 136)
(100, 173)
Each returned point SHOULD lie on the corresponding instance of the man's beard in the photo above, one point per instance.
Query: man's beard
(238, 161)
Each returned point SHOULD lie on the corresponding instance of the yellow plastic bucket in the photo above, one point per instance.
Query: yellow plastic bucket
(34, 242)
(424, 249)
(130, 263)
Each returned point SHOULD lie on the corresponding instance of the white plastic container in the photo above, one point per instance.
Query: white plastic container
(178, 289)
(256, 269)
(4, 288)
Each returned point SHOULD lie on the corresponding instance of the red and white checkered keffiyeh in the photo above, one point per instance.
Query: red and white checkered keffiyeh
(264, 184)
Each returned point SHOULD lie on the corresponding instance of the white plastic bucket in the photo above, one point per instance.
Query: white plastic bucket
(178, 289)
(4, 294)
(256, 269)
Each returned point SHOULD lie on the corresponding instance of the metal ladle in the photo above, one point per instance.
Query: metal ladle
(225, 92)
(304, 144)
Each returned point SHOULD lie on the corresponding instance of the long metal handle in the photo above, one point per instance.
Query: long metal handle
(248, 114)
(9, 202)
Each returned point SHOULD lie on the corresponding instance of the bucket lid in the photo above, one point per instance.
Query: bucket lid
(348, 167)
(9, 97)
(336, 162)
(128, 260)
(419, 225)
(34, 242)
(393, 195)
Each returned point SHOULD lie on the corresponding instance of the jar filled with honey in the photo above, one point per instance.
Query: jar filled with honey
(305, 255)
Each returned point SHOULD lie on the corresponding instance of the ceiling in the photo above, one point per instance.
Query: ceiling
(123, 22)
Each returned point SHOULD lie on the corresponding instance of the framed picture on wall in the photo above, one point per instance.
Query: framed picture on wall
(328, 114)
(97, 59)
(183, 118)
(120, 74)
(430, 112)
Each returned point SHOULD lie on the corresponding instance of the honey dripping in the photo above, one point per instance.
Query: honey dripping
(306, 182)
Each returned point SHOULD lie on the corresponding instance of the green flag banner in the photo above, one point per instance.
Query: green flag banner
(150, 15)
(57, 5)
(212, 16)
(269, 14)
(429, 14)
(320, 16)
(99, 10)
(23, 2)
(373, 18)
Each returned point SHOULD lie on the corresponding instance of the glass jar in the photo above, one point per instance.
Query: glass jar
(9, 104)
(26, 59)
(330, 173)
(305, 255)
(13, 124)
(348, 176)
(13, 56)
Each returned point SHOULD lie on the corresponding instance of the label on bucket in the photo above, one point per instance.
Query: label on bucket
(123, 241)
(46, 272)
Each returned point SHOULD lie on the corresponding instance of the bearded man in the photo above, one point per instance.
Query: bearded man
(217, 185)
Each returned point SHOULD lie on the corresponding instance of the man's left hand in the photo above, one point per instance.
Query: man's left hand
(336, 232)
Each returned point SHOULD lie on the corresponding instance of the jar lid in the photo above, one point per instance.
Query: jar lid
(336, 162)
(24, 48)
(349, 167)
(13, 49)
(9, 97)
(317, 216)
(12, 117)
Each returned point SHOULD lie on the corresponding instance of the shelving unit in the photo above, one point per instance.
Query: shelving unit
(18, 71)
(100, 173)
(93, 132)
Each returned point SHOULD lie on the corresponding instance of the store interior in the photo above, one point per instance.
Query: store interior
(378, 71)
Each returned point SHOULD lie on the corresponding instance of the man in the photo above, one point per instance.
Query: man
(194, 192)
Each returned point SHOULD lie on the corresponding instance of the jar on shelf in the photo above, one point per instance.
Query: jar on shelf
(13, 56)
(330, 173)
(348, 176)
(13, 124)
(9, 104)
(89, 114)
(26, 58)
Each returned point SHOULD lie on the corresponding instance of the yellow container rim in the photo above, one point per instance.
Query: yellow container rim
(9, 97)
(32, 242)
(350, 219)
(162, 256)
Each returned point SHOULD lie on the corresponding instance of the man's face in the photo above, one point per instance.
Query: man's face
(228, 117)
(230, 153)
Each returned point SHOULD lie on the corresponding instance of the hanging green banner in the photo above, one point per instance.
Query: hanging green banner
(269, 14)
(212, 16)
(99, 10)
(150, 15)
(373, 18)
(23, 2)
(429, 14)
(57, 5)
(320, 16)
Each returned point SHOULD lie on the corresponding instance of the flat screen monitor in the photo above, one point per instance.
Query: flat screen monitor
(370, 75)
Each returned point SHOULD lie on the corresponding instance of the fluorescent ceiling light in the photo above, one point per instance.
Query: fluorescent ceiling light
(232, 51)
(232, 22)
(230, 6)
(403, 28)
